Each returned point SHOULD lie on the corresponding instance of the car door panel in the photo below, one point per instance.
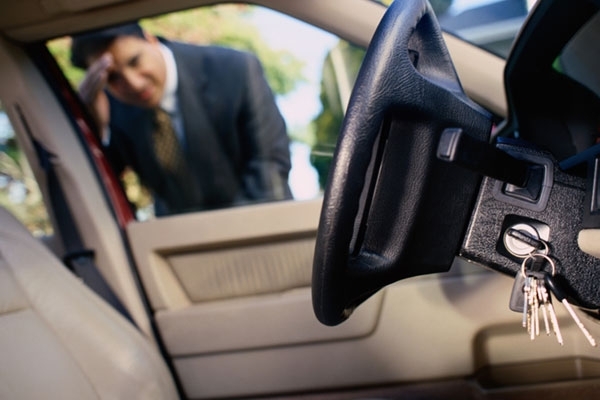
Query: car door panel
(218, 245)
(431, 328)
(251, 277)
(245, 270)
(252, 342)
(266, 321)
(225, 272)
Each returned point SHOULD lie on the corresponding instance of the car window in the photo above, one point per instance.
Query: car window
(19, 191)
(489, 24)
(310, 72)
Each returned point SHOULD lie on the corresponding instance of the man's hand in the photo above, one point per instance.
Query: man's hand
(92, 93)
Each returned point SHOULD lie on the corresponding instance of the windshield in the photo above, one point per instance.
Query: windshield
(489, 24)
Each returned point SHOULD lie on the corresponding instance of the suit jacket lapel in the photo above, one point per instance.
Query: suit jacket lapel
(204, 151)
(136, 124)
(190, 96)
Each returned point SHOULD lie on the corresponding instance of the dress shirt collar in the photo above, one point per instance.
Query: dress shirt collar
(169, 98)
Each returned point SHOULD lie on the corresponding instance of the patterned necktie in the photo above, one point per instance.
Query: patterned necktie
(184, 192)
(166, 145)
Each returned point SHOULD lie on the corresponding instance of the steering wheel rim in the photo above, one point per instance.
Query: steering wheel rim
(407, 92)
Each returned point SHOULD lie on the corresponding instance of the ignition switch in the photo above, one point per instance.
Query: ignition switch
(521, 236)
(521, 240)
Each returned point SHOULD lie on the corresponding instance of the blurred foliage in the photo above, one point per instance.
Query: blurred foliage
(137, 194)
(19, 191)
(61, 51)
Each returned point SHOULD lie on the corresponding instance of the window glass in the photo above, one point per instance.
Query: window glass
(19, 192)
(310, 72)
(489, 24)
(580, 58)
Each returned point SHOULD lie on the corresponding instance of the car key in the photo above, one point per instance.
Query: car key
(529, 294)
(526, 303)
(543, 306)
(531, 308)
(560, 295)
(542, 300)
(517, 296)
(520, 297)
(546, 300)
(530, 300)
(535, 309)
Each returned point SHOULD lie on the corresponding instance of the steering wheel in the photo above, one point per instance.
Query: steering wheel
(392, 209)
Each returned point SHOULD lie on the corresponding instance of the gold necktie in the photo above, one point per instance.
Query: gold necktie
(165, 142)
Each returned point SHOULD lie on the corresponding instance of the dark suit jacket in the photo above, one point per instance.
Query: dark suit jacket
(237, 147)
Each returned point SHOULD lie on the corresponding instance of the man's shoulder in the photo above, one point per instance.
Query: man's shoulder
(206, 50)
(208, 53)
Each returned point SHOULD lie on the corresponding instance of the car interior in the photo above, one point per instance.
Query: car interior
(450, 157)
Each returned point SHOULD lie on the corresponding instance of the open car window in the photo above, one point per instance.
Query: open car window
(310, 72)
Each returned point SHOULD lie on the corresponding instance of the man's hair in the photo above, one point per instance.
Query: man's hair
(94, 43)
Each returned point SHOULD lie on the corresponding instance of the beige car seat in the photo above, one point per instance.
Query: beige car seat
(58, 340)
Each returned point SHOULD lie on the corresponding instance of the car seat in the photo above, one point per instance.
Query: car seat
(59, 340)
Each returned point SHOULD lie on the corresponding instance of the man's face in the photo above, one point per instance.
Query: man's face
(138, 72)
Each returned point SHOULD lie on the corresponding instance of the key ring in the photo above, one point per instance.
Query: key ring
(541, 252)
(532, 256)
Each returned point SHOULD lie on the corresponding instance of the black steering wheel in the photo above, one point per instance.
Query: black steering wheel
(391, 209)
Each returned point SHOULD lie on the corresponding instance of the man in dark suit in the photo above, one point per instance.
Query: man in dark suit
(231, 143)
